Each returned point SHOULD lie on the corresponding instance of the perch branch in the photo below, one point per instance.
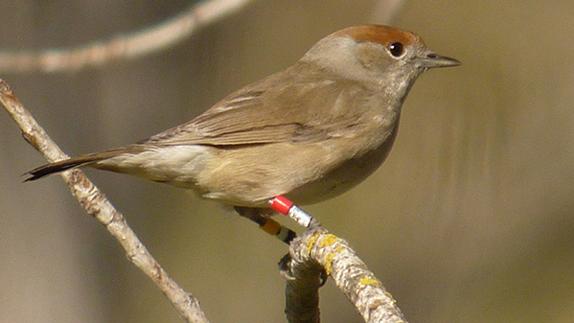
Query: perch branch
(302, 291)
(121, 47)
(96, 205)
(319, 250)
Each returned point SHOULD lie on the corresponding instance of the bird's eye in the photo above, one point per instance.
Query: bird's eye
(396, 49)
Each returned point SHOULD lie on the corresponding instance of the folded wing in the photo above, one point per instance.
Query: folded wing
(269, 111)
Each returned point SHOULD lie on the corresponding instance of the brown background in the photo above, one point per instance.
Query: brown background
(469, 220)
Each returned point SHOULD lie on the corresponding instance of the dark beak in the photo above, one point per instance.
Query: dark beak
(431, 60)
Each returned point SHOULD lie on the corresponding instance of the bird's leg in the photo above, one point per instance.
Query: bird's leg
(284, 206)
(266, 223)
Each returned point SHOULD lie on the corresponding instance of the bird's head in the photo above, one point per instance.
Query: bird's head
(376, 53)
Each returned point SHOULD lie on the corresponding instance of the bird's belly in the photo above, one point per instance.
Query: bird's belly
(344, 177)
(306, 173)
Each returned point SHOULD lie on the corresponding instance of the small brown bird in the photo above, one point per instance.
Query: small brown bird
(310, 132)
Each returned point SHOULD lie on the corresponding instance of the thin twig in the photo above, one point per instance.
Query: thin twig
(122, 47)
(96, 205)
(316, 250)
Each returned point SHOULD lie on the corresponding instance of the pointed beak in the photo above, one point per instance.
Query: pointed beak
(431, 60)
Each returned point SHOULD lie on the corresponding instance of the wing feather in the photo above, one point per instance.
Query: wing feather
(276, 109)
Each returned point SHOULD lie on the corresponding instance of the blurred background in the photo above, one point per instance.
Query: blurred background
(469, 220)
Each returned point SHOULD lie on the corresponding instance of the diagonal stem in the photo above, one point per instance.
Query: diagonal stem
(97, 205)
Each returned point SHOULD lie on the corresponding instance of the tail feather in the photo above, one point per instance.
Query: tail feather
(67, 164)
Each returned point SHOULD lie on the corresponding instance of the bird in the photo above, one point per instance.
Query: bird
(309, 132)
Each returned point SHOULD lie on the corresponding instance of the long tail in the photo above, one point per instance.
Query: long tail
(71, 163)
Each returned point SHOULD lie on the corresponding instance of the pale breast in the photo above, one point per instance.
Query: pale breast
(346, 176)
(307, 173)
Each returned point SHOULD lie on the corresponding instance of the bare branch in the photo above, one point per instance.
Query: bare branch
(122, 47)
(317, 250)
(96, 204)
(302, 292)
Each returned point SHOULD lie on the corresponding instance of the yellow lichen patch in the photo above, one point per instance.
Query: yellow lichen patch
(329, 262)
(328, 240)
(369, 281)
(311, 242)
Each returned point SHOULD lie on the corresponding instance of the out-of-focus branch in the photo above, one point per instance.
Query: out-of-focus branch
(96, 204)
(319, 250)
(122, 47)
